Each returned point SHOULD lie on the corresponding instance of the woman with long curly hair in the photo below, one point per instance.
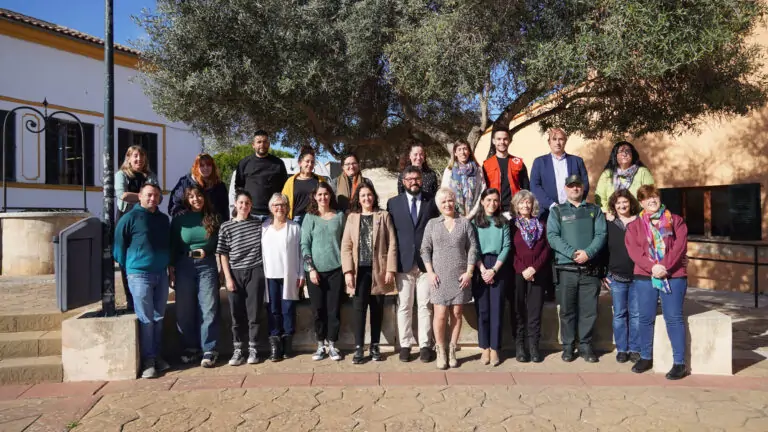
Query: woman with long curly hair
(194, 274)
(204, 174)
(624, 170)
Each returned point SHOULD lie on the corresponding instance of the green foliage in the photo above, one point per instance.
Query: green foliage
(372, 76)
(226, 161)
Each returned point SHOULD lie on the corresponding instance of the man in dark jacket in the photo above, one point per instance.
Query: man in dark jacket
(410, 213)
(576, 232)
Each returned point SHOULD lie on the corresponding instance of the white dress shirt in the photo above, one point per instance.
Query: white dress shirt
(418, 202)
(561, 173)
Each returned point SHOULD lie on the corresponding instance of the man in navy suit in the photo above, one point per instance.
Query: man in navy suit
(548, 175)
(410, 211)
(549, 172)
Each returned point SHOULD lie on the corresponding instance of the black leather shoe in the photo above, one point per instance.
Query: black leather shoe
(677, 372)
(588, 355)
(520, 354)
(359, 355)
(634, 357)
(568, 355)
(536, 356)
(375, 352)
(642, 365)
(426, 355)
(622, 357)
(405, 354)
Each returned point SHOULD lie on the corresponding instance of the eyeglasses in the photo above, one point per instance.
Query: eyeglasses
(625, 152)
(411, 179)
(349, 164)
(280, 205)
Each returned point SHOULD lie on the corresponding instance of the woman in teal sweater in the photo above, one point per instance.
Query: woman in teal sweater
(321, 232)
(195, 277)
(624, 170)
(488, 289)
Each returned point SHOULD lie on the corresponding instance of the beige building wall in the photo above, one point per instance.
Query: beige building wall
(724, 152)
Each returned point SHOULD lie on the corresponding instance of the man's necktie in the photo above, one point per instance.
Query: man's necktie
(414, 214)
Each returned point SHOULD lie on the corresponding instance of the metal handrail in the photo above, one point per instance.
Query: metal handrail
(755, 245)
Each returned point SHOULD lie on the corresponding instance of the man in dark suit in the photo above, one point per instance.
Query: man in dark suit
(410, 211)
(549, 172)
(548, 175)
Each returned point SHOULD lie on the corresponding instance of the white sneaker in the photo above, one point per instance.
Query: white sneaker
(209, 359)
(237, 358)
(149, 370)
(334, 353)
(320, 353)
(253, 356)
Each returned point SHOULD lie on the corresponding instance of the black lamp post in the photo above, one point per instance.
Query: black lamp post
(108, 179)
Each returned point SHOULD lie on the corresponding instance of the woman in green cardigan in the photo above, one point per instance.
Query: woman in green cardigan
(624, 170)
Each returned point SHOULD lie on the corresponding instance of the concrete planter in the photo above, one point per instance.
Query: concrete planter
(27, 246)
(98, 348)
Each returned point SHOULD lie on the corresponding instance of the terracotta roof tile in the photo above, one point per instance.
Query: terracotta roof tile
(15, 16)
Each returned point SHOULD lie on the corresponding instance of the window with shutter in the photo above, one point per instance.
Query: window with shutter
(10, 144)
(745, 211)
(127, 138)
(64, 153)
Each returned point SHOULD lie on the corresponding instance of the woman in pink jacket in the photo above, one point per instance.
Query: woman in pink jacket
(657, 242)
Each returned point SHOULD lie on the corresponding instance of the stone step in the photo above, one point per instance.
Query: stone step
(31, 370)
(30, 344)
(42, 321)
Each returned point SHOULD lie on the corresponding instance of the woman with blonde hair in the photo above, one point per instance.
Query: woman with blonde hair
(132, 175)
(449, 252)
(464, 176)
(205, 174)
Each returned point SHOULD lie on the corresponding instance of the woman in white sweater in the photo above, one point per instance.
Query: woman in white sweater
(280, 240)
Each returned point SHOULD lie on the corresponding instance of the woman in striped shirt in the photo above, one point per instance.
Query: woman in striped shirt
(239, 249)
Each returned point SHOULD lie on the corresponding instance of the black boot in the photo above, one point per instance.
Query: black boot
(359, 355)
(287, 346)
(642, 365)
(520, 353)
(677, 372)
(275, 353)
(533, 348)
(375, 352)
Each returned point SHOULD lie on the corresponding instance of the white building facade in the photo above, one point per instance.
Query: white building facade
(42, 61)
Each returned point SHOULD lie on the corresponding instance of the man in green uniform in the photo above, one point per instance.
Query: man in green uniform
(576, 231)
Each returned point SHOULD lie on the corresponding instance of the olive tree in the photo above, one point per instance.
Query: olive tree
(371, 75)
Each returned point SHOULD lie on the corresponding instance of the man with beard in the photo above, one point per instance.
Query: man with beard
(410, 211)
(504, 172)
(261, 174)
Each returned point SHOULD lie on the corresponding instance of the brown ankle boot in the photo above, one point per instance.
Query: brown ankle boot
(442, 359)
(452, 361)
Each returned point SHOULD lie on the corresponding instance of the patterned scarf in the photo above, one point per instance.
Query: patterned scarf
(463, 182)
(530, 229)
(655, 236)
(622, 178)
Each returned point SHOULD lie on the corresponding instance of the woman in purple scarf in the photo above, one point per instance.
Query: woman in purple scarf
(464, 176)
(531, 257)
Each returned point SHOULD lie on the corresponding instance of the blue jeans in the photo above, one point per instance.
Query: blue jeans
(671, 308)
(197, 302)
(150, 295)
(626, 317)
(282, 313)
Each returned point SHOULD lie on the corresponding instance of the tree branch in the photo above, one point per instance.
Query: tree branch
(321, 134)
(562, 106)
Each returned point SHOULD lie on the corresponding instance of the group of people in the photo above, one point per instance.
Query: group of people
(483, 233)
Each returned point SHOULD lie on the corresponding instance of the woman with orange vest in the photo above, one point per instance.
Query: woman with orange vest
(504, 172)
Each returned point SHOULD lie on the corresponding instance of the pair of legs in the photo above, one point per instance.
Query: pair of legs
(150, 296)
(245, 304)
(197, 303)
(326, 304)
(361, 302)
(671, 308)
(489, 307)
(450, 315)
(413, 286)
(526, 300)
(282, 313)
(577, 296)
(626, 316)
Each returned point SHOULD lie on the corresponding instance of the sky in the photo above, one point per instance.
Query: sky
(86, 16)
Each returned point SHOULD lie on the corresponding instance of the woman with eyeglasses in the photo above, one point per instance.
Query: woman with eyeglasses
(132, 175)
(204, 174)
(193, 273)
(298, 188)
(624, 170)
(281, 250)
(351, 177)
(417, 156)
